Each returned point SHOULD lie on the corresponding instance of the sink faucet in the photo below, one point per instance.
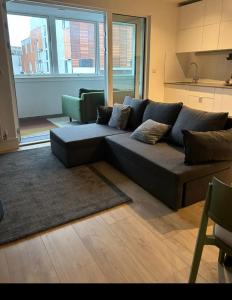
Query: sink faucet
(196, 74)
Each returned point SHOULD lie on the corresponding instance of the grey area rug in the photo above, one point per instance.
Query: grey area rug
(38, 193)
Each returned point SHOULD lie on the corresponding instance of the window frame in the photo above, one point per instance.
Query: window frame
(121, 23)
(48, 41)
(52, 46)
(95, 23)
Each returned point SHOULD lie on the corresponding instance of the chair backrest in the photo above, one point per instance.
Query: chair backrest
(220, 204)
(91, 101)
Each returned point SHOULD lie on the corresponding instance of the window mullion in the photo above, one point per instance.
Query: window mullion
(53, 45)
(109, 58)
(97, 53)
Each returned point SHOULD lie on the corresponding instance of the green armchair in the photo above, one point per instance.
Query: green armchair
(83, 109)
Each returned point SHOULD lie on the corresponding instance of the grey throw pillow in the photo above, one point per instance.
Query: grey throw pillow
(150, 132)
(120, 116)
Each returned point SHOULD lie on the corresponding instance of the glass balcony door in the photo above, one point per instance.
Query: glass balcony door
(128, 50)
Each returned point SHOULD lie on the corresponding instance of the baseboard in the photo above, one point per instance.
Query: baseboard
(41, 117)
(9, 145)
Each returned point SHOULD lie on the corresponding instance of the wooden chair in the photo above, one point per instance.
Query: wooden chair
(218, 207)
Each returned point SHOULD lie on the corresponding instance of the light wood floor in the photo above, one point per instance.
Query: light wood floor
(143, 241)
(30, 126)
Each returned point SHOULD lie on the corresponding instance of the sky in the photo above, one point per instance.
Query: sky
(16, 36)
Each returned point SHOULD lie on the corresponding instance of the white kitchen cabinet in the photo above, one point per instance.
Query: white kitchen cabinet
(175, 93)
(189, 40)
(200, 98)
(223, 101)
(226, 10)
(191, 15)
(225, 35)
(213, 10)
(203, 98)
(210, 37)
(201, 103)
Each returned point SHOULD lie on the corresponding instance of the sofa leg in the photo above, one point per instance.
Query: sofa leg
(70, 119)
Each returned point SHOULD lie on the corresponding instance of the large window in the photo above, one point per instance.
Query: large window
(76, 47)
(123, 48)
(53, 45)
(29, 45)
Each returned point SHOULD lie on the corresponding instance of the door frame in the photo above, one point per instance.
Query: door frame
(108, 53)
(9, 68)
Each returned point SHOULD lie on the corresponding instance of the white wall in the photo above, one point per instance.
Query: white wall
(162, 42)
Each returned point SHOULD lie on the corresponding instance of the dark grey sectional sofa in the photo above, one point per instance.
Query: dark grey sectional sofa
(159, 169)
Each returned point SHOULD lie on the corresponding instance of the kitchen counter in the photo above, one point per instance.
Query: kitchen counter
(201, 84)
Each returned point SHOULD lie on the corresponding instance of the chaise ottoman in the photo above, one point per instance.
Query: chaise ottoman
(80, 144)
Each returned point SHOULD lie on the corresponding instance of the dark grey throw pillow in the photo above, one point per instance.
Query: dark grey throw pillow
(120, 116)
(203, 147)
(161, 112)
(104, 114)
(150, 132)
(137, 109)
(196, 120)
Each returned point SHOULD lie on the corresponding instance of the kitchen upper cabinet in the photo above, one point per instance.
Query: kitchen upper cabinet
(213, 9)
(205, 26)
(226, 10)
(210, 37)
(191, 15)
(225, 36)
(189, 40)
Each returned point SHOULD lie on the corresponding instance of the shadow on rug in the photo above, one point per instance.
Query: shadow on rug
(37, 193)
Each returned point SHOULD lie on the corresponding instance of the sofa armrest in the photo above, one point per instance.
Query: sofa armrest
(72, 107)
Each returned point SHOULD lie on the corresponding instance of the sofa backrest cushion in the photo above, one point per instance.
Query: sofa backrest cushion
(165, 113)
(196, 120)
(204, 147)
(85, 91)
(137, 109)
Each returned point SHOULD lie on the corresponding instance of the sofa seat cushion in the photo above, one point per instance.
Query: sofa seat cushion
(166, 157)
(77, 136)
(80, 144)
(160, 169)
